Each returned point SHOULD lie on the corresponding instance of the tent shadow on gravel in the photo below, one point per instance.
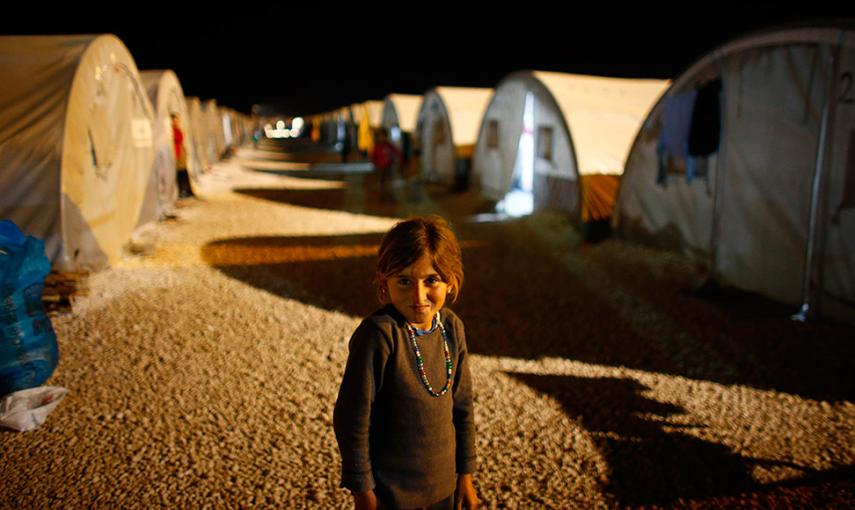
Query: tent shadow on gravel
(519, 302)
(652, 461)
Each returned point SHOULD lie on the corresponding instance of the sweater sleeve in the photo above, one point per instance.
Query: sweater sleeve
(463, 412)
(363, 377)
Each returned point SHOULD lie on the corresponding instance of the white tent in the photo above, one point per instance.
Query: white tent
(400, 113)
(447, 129)
(213, 121)
(560, 141)
(772, 208)
(75, 145)
(199, 128)
(167, 97)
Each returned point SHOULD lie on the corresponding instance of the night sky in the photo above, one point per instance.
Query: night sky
(300, 60)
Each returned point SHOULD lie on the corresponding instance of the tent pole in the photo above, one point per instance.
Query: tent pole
(810, 290)
(719, 180)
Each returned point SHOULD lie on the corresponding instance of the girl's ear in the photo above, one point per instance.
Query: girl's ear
(382, 289)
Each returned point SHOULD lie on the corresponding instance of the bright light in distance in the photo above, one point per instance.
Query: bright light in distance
(280, 124)
(516, 203)
(297, 123)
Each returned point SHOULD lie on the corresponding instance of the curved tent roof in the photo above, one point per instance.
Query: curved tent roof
(582, 128)
(448, 123)
(375, 113)
(167, 97)
(401, 111)
(75, 145)
(769, 205)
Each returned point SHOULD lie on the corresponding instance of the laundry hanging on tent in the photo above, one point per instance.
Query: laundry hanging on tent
(673, 145)
(691, 131)
(705, 129)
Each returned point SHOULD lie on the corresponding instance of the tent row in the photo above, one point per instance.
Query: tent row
(744, 162)
(86, 145)
(537, 141)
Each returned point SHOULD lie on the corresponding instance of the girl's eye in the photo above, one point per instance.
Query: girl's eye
(403, 282)
(433, 280)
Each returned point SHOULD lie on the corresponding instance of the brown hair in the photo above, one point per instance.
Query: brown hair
(422, 235)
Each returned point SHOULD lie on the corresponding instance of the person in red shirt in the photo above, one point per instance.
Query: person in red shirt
(180, 159)
(386, 159)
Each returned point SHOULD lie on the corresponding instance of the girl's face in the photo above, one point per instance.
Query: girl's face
(418, 292)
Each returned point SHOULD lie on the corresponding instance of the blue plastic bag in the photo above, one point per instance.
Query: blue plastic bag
(28, 348)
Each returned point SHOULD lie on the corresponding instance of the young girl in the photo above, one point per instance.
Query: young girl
(404, 419)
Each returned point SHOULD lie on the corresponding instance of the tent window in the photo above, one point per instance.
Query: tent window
(493, 134)
(544, 143)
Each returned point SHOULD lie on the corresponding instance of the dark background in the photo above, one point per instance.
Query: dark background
(299, 59)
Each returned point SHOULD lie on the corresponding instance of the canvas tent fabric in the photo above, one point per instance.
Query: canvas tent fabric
(167, 97)
(400, 113)
(75, 145)
(199, 129)
(770, 216)
(581, 128)
(447, 128)
(213, 121)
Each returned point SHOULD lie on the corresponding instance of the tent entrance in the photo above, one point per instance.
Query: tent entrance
(519, 201)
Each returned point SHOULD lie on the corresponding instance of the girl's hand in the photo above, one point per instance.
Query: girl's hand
(365, 500)
(465, 495)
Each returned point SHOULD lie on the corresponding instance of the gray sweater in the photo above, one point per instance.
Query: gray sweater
(394, 437)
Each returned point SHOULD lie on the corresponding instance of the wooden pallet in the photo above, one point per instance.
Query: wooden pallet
(61, 289)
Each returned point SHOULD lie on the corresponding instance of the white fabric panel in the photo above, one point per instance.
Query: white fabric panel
(434, 134)
(74, 115)
(465, 109)
(37, 81)
(676, 216)
(603, 115)
(200, 133)
(406, 111)
(556, 179)
(213, 129)
(771, 143)
(375, 113)
(838, 261)
(493, 167)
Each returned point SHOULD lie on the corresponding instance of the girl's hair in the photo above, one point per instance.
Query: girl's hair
(422, 235)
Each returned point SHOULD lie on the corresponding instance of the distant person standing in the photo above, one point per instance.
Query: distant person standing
(386, 158)
(181, 175)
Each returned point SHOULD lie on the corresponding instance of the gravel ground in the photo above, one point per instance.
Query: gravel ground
(202, 374)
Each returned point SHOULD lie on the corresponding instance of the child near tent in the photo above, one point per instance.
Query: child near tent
(386, 158)
(181, 174)
(404, 416)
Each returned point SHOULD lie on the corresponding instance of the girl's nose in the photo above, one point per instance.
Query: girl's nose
(419, 290)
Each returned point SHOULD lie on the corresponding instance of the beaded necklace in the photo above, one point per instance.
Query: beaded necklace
(421, 364)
